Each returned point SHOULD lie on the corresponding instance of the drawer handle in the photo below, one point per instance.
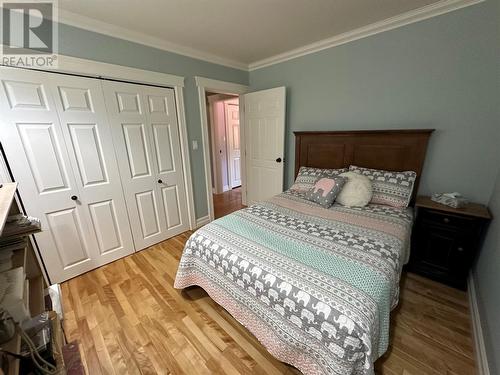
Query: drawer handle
(460, 249)
(446, 220)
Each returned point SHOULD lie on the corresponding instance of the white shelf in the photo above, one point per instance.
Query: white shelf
(7, 192)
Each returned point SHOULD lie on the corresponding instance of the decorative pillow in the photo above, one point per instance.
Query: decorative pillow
(389, 188)
(307, 177)
(325, 190)
(357, 191)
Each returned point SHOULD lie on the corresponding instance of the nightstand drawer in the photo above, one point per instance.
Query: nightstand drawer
(449, 221)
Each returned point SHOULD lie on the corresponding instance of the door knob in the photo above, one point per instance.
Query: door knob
(74, 198)
(160, 181)
(278, 160)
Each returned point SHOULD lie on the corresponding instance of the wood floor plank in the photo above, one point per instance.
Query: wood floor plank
(129, 319)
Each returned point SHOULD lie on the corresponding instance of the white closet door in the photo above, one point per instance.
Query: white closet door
(167, 152)
(81, 109)
(36, 146)
(145, 132)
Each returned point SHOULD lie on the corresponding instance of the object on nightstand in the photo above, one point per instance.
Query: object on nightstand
(455, 200)
(446, 240)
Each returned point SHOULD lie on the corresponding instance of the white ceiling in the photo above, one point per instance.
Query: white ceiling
(235, 32)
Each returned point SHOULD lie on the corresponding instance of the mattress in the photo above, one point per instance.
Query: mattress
(314, 285)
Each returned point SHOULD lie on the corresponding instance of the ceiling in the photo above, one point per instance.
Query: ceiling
(235, 32)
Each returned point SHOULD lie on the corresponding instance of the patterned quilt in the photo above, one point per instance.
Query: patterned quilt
(314, 285)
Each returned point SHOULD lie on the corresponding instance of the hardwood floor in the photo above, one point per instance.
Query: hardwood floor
(227, 202)
(129, 319)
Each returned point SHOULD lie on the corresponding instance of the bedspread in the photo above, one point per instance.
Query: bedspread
(314, 285)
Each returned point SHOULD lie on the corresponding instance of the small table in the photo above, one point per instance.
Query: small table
(446, 240)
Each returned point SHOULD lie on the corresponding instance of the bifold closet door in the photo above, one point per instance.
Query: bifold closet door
(58, 143)
(146, 137)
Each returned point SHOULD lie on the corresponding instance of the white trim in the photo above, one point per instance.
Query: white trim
(477, 330)
(420, 14)
(216, 181)
(221, 87)
(241, 103)
(186, 165)
(119, 32)
(202, 221)
(96, 69)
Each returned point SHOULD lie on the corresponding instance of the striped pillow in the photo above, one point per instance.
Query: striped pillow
(389, 188)
(307, 177)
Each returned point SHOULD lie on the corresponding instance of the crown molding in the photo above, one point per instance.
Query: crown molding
(420, 14)
(119, 32)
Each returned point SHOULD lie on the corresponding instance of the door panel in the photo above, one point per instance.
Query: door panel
(163, 147)
(157, 104)
(148, 212)
(265, 136)
(44, 156)
(25, 95)
(128, 102)
(75, 99)
(146, 135)
(56, 138)
(88, 153)
(106, 226)
(172, 202)
(137, 150)
(69, 237)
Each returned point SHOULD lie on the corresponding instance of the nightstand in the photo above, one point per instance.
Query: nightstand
(446, 240)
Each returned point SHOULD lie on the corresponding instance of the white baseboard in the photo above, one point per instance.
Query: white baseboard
(477, 330)
(202, 221)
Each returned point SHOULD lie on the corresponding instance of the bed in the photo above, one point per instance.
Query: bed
(315, 286)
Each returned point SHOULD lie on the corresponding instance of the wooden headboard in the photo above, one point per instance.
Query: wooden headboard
(392, 150)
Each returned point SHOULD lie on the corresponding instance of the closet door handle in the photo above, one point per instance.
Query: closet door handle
(278, 160)
(74, 198)
(160, 181)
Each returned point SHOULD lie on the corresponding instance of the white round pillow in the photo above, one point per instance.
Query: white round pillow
(357, 191)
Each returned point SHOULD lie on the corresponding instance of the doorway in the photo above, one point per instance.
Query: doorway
(224, 133)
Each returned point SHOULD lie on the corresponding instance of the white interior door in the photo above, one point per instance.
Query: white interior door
(233, 142)
(85, 126)
(56, 138)
(264, 138)
(146, 137)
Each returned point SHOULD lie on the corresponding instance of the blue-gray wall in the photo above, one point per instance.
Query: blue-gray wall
(89, 45)
(440, 73)
(487, 281)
